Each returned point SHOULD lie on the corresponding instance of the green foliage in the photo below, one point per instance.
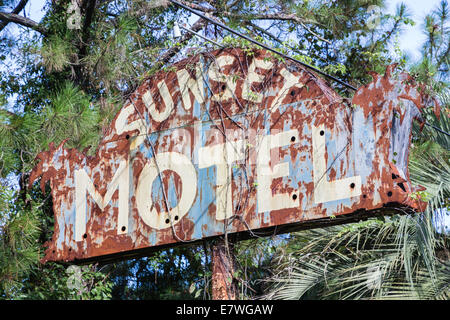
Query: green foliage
(236, 42)
(335, 69)
(253, 258)
(368, 260)
(23, 136)
(178, 273)
(54, 281)
(22, 276)
(55, 54)
(19, 231)
(71, 105)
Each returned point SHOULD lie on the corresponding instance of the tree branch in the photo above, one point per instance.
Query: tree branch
(280, 16)
(196, 6)
(23, 21)
(265, 32)
(88, 12)
(197, 26)
(259, 16)
(269, 16)
(16, 10)
(8, 113)
(169, 54)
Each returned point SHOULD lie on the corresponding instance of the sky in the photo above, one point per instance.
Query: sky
(411, 40)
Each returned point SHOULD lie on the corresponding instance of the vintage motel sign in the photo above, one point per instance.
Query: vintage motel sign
(231, 142)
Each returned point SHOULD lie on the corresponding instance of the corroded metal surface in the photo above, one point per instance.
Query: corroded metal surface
(223, 285)
(226, 142)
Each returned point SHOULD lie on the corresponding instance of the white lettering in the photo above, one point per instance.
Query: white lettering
(83, 183)
(324, 190)
(139, 125)
(187, 84)
(253, 76)
(222, 156)
(182, 166)
(147, 98)
(265, 174)
(290, 80)
(215, 74)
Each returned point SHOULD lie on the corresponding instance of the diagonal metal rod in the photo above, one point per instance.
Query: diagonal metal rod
(436, 128)
(261, 44)
(200, 36)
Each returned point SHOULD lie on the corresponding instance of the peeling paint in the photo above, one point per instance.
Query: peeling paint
(229, 142)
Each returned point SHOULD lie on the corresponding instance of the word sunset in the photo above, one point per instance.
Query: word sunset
(229, 141)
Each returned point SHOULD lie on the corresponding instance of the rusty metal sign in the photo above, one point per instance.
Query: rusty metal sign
(231, 141)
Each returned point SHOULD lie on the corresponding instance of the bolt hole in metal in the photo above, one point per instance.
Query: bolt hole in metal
(124, 228)
(167, 221)
(352, 185)
(127, 136)
(389, 194)
(322, 132)
(402, 186)
(294, 196)
(85, 235)
(292, 93)
(292, 138)
(224, 87)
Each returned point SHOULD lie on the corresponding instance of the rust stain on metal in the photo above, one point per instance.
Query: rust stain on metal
(227, 142)
(223, 268)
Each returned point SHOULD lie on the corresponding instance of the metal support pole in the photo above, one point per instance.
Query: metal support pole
(223, 267)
